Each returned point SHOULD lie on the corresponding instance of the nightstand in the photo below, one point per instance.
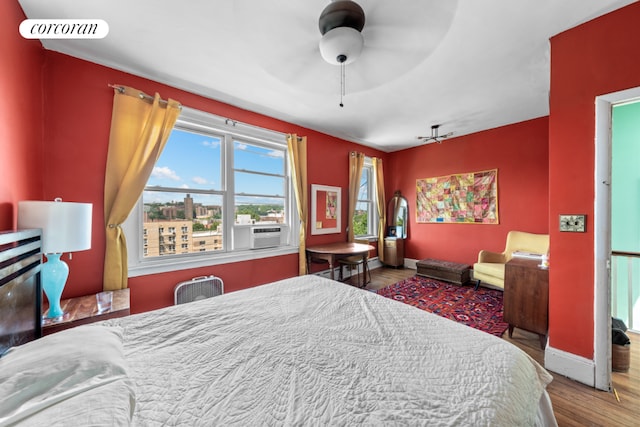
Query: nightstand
(526, 297)
(83, 310)
(394, 251)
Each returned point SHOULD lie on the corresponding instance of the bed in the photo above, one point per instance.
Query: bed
(301, 351)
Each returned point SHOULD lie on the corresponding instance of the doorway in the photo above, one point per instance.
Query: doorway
(603, 232)
(625, 213)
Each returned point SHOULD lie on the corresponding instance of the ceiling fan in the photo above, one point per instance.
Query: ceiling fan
(340, 24)
(434, 135)
(394, 38)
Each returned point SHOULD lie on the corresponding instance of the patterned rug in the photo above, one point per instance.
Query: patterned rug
(481, 309)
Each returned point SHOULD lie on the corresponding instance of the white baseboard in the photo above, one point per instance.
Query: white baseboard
(374, 263)
(570, 365)
(411, 263)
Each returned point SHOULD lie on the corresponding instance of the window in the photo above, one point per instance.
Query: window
(214, 181)
(365, 218)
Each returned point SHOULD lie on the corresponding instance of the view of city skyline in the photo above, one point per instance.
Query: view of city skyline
(194, 161)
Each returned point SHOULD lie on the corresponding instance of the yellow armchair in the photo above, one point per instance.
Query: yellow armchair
(490, 266)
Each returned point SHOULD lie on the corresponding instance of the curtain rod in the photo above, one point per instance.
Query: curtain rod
(142, 95)
(235, 124)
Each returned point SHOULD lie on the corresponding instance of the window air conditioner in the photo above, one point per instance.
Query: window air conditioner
(265, 237)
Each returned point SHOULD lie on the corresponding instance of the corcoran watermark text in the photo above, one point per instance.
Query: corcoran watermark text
(64, 28)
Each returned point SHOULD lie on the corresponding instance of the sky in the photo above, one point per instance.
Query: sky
(193, 161)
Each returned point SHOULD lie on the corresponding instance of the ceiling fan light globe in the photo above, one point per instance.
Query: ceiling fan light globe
(341, 41)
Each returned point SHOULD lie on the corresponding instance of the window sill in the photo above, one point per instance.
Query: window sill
(165, 264)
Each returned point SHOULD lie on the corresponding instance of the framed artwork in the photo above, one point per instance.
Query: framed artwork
(325, 209)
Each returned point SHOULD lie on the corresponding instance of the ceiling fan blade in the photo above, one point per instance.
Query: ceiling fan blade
(411, 14)
(398, 36)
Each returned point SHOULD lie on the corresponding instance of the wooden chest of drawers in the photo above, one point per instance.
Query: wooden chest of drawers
(526, 297)
(394, 251)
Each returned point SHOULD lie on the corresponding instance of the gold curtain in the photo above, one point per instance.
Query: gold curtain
(356, 160)
(140, 127)
(297, 149)
(381, 204)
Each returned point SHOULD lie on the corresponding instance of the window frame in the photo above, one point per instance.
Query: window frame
(198, 121)
(372, 218)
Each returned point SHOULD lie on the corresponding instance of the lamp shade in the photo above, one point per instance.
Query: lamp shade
(340, 42)
(66, 226)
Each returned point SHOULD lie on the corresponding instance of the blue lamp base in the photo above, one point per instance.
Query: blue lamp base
(54, 277)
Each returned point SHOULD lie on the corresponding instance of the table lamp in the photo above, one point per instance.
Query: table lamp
(66, 227)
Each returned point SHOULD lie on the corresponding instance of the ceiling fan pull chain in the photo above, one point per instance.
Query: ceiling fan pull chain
(342, 78)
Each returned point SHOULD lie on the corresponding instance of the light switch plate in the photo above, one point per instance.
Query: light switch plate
(573, 223)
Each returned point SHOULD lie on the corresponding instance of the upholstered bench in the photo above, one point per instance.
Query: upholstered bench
(444, 270)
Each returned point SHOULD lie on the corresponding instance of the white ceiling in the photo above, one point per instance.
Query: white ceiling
(468, 65)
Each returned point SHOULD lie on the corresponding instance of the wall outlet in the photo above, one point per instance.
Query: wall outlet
(573, 223)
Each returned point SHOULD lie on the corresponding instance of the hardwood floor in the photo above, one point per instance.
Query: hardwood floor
(574, 404)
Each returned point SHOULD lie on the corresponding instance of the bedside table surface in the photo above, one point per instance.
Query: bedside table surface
(82, 310)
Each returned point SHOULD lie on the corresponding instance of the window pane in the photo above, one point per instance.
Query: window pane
(259, 159)
(259, 210)
(251, 183)
(361, 219)
(363, 194)
(180, 223)
(189, 160)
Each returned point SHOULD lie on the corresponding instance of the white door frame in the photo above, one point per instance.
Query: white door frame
(602, 234)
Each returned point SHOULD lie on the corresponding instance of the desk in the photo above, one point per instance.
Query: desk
(333, 251)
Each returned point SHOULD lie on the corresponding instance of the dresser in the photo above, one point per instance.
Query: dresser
(526, 297)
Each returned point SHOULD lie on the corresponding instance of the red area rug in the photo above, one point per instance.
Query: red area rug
(481, 309)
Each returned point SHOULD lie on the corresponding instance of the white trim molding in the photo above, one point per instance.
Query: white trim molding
(570, 365)
(411, 263)
(602, 233)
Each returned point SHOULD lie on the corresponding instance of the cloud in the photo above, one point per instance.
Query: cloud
(165, 173)
(199, 180)
(213, 143)
(276, 154)
(240, 146)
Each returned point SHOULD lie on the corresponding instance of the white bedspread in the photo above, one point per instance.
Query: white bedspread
(310, 351)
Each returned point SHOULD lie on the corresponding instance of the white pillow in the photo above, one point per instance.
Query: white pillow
(53, 370)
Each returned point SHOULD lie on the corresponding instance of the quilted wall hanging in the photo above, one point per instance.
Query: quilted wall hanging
(465, 198)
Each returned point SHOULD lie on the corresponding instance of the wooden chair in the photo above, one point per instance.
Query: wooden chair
(357, 261)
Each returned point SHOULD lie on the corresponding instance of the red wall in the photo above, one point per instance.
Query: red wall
(519, 152)
(20, 115)
(596, 58)
(78, 107)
